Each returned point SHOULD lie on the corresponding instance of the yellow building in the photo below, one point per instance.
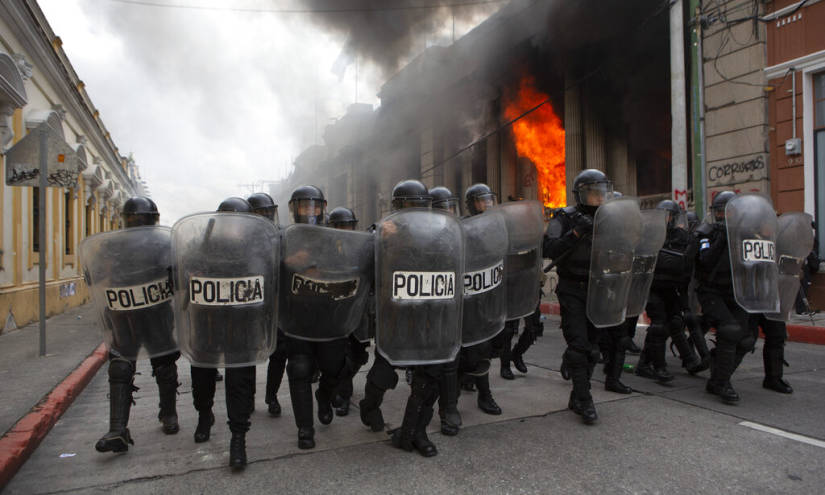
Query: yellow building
(37, 85)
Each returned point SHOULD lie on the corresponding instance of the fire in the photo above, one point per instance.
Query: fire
(540, 137)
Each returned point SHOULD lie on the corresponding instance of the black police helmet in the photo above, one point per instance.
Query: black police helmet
(235, 204)
(410, 193)
(673, 209)
(138, 211)
(590, 178)
(340, 217)
(444, 199)
(263, 204)
(477, 191)
(313, 196)
(717, 206)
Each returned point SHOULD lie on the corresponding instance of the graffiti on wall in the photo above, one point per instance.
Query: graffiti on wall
(737, 171)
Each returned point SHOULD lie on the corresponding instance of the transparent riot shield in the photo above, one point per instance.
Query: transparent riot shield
(419, 266)
(751, 227)
(226, 285)
(325, 281)
(485, 292)
(617, 228)
(128, 274)
(654, 231)
(794, 241)
(522, 266)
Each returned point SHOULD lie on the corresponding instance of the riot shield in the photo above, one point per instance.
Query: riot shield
(485, 293)
(654, 231)
(226, 285)
(325, 281)
(419, 266)
(751, 227)
(127, 272)
(794, 241)
(617, 229)
(522, 266)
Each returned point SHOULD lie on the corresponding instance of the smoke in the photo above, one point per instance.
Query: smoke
(387, 34)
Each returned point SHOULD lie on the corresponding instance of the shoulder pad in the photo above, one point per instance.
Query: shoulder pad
(704, 228)
(564, 212)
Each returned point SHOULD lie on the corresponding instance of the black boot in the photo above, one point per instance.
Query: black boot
(581, 402)
(237, 451)
(306, 438)
(274, 407)
(274, 376)
(166, 377)
(421, 441)
(467, 383)
(370, 407)
(485, 398)
(448, 402)
(613, 370)
(324, 406)
(774, 360)
(121, 374)
(723, 364)
(205, 421)
(404, 436)
(690, 361)
(651, 362)
(525, 340)
(341, 405)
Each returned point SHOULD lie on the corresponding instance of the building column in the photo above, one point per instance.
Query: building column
(573, 139)
(678, 110)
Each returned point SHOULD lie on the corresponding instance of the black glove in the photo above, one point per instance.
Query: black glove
(582, 224)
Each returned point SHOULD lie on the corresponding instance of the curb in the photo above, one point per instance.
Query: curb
(806, 334)
(20, 441)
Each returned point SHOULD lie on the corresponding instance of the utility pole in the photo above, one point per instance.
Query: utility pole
(678, 137)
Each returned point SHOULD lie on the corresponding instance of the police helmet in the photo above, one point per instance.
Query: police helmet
(478, 198)
(307, 205)
(673, 210)
(410, 193)
(235, 204)
(717, 206)
(692, 220)
(139, 211)
(342, 218)
(590, 189)
(444, 199)
(263, 204)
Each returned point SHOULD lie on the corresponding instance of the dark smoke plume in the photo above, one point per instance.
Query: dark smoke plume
(387, 32)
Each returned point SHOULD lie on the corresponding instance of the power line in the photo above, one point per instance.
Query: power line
(342, 10)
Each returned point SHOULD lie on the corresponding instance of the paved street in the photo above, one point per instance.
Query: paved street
(675, 439)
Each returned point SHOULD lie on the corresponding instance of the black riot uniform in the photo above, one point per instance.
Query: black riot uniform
(262, 204)
(568, 242)
(412, 434)
(667, 300)
(138, 211)
(735, 334)
(695, 322)
(473, 362)
(356, 351)
(239, 387)
(307, 205)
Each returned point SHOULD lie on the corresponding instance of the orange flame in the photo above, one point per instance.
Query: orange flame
(540, 138)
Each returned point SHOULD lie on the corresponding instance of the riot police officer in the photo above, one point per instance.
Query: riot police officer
(263, 204)
(734, 326)
(412, 434)
(356, 354)
(308, 206)
(568, 243)
(239, 386)
(667, 299)
(138, 211)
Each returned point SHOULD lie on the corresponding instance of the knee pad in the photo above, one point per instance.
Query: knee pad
(481, 368)
(300, 367)
(360, 356)
(575, 358)
(657, 331)
(382, 376)
(625, 343)
(730, 332)
(121, 370)
(676, 324)
(746, 344)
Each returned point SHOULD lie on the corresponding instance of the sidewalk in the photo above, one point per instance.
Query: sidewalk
(35, 390)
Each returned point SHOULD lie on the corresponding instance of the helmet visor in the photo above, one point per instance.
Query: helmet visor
(140, 219)
(270, 212)
(411, 202)
(595, 193)
(483, 201)
(449, 204)
(311, 211)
